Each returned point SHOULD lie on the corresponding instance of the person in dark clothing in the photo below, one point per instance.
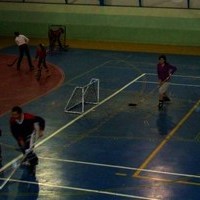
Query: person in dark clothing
(22, 43)
(101, 2)
(164, 71)
(55, 38)
(41, 54)
(24, 127)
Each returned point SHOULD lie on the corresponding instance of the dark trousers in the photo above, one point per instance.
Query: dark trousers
(53, 42)
(42, 61)
(28, 150)
(23, 49)
(101, 2)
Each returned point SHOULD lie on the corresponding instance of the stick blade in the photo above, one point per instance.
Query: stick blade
(11, 64)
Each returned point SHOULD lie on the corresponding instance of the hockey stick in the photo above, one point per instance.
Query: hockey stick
(157, 87)
(163, 82)
(14, 61)
(16, 163)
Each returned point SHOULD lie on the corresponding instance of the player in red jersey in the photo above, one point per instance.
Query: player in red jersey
(41, 54)
(24, 127)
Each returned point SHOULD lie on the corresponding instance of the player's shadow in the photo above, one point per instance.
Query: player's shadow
(164, 122)
(5, 190)
(0, 157)
(28, 188)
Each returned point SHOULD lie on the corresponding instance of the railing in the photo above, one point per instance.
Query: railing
(185, 4)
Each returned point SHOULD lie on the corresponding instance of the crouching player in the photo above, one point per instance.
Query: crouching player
(55, 38)
(25, 127)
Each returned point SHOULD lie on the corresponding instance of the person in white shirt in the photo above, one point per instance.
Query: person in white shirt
(22, 43)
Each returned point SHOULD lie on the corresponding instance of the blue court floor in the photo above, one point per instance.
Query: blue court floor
(112, 151)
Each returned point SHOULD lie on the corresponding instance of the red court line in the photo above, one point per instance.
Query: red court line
(21, 87)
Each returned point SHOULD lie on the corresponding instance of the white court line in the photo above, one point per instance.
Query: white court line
(73, 121)
(67, 125)
(182, 76)
(121, 167)
(90, 110)
(85, 190)
(177, 84)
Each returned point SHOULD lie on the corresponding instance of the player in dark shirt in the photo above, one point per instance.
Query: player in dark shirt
(24, 127)
(41, 54)
(55, 37)
(164, 71)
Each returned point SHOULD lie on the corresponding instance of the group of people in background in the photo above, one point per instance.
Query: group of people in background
(164, 69)
(22, 41)
(41, 53)
(24, 126)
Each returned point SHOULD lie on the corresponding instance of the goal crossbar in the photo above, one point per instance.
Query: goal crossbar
(87, 94)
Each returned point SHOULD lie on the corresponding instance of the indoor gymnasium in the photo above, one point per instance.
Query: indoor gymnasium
(100, 100)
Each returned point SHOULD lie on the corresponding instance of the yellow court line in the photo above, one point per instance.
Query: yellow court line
(169, 181)
(166, 139)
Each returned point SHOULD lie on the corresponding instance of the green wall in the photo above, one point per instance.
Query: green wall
(118, 24)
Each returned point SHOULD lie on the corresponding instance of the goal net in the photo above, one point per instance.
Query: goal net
(83, 96)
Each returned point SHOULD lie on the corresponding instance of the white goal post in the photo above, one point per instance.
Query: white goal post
(82, 96)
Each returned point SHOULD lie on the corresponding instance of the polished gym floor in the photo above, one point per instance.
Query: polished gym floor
(111, 150)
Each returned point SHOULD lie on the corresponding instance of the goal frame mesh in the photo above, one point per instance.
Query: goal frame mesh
(84, 98)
